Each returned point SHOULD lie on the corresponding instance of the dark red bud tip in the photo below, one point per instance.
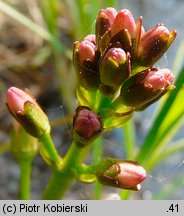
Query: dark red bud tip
(86, 123)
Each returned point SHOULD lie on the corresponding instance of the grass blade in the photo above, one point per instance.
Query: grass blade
(150, 144)
(129, 138)
(16, 15)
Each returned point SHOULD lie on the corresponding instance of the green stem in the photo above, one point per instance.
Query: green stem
(25, 174)
(102, 102)
(62, 179)
(48, 150)
(129, 135)
(125, 194)
(97, 151)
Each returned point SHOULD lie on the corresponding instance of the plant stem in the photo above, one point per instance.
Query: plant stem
(97, 152)
(25, 174)
(129, 135)
(62, 179)
(49, 148)
(125, 194)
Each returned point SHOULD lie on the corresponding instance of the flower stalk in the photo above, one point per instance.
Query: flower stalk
(62, 179)
(25, 179)
(24, 148)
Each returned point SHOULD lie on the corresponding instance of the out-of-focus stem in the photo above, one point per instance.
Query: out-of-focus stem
(25, 175)
(129, 135)
(96, 157)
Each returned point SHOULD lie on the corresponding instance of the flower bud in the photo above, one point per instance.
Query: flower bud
(104, 21)
(145, 87)
(114, 68)
(91, 38)
(154, 44)
(86, 51)
(124, 20)
(27, 112)
(121, 174)
(85, 62)
(87, 125)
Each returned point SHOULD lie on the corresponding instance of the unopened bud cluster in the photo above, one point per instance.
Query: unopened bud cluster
(115, 76)
(118, 62)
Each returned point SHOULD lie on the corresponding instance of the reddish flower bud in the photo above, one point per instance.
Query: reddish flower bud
(158, 79)
(87, 125)
(91, 38)
(104, 21)
(145, 87)
(27, 112)
(86, 51)
(114, 68)
(154, 44)
(121, 174)
(131, 174)
(110, 13)
(85, 61)
(124, 20)
(16, 99)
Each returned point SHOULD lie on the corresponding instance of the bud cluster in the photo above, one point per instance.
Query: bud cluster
(118, 63)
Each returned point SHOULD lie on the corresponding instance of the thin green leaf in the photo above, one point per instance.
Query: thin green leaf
(75, 18)
(179, 59)
(50, 11)
(173, 148)
(168, 128)
(129, 138)
(97, 152)
(150, 144)
(19, 17)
